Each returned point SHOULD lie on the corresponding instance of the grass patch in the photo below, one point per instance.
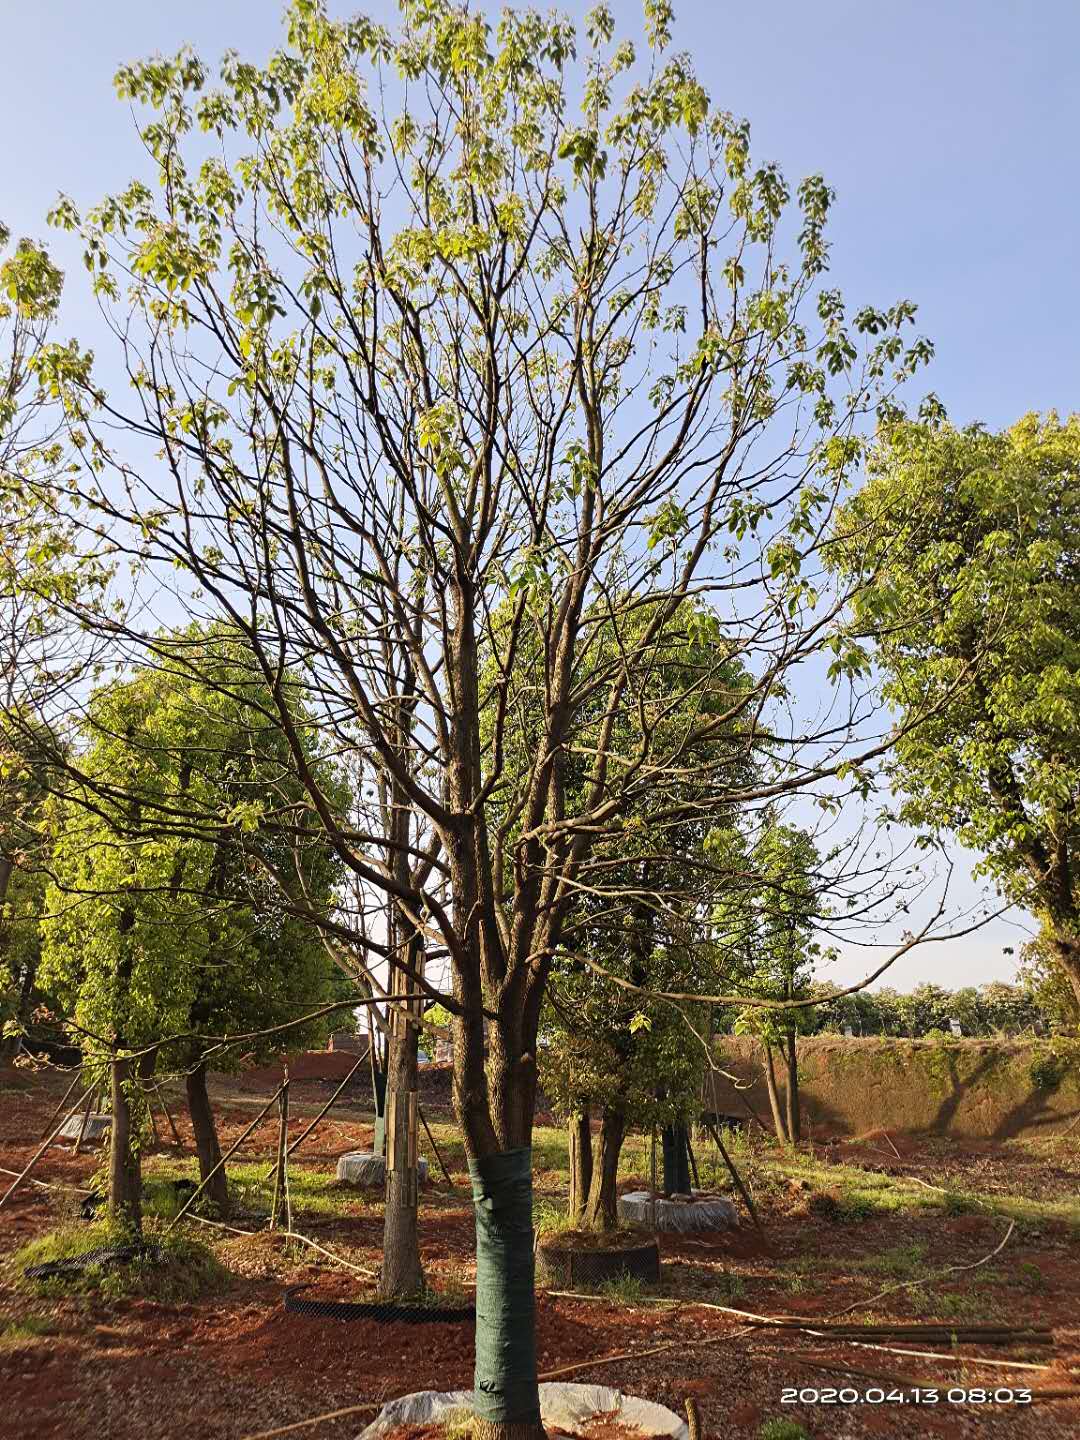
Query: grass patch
(859, 1194)
(899, 1262)
(551, 1218)
(626, 1289)
(16, 1333)
(731, 1286)
(459, 1425)
(186, 1270)
(783, 1430)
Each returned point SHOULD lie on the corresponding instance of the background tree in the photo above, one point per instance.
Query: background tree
(169, 908)
(766, 932)
(965, 546)
(611, 1053)
(451, 320)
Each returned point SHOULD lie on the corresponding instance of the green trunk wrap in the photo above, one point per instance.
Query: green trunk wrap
(505, 1376)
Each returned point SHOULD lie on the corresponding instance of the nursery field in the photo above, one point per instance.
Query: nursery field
(976, 1240)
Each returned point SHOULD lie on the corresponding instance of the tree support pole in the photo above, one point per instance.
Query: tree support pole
(59, 1108)
(306, 1132)
(168, 1115)
(438, 1152)
(283, 1135)
(85, 1122)
(231, 1151)
(41, 1149)
(736, 1177)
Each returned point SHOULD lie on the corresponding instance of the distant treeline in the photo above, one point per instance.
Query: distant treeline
(984, 1010)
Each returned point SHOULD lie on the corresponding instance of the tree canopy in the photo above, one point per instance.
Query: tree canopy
(964, 544)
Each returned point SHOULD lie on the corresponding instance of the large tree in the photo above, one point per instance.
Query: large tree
(445, 325)
(965, 546)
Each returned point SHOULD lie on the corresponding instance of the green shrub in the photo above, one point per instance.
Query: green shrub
(185, 1269)
(1047, 1071)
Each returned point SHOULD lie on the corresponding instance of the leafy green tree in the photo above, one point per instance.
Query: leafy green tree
(182, 874)
(457, 315)
(765, 929)
(45, 564)
(609, 1051)
(965, 546)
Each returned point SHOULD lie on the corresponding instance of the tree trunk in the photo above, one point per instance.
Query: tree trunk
(1066, 947)
(676, 1160)
(794, 1117)
(125, 1171)
(402, 1272)
(506, 1395)
(602, 1209)
(580, 1132)
(774, 1098)
(8, 1046)
(207, 1146)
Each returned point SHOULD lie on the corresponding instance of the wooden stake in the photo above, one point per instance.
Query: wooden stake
(231, 1151)
(168, 1115)
(41, 1150)
(85, 1121)
(63, 1102)
(736, 1177)
(438, 1152)
(305, 1133)
(279, 1164)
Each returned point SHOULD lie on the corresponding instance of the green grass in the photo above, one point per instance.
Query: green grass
(550, 1218)
(16, 1333)
(906, 1261)
(861, 1194)
(731, 1286)
(626, 1289)
(782, 1430)
(311, 1191)
(187, 1271)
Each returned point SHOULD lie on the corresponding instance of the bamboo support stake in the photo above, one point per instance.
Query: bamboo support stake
(279, 1164)
(315, 1420)
(41, 1150)
(168, 1115)
(438, 1152)
(292, 1234)
(231, 1151)
(285, 1175)
(736, 1177)
(652, 1178)
(324, 1111)
(85, 1121)
(59, 1108)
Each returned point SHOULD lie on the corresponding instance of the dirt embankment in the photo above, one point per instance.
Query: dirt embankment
(970, 1089)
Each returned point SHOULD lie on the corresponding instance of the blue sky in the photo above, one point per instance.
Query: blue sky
(949, 131)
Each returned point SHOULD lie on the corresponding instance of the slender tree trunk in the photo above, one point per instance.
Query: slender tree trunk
(402, 1272)
(8, 1047)
(207, 1146)
(602, 1209)
(580, 1131)
(794, 1118)
(774, 1098)
(676, 1159)
(125, 1171)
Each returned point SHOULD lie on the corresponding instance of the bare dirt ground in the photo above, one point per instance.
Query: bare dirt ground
(843, 1223)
